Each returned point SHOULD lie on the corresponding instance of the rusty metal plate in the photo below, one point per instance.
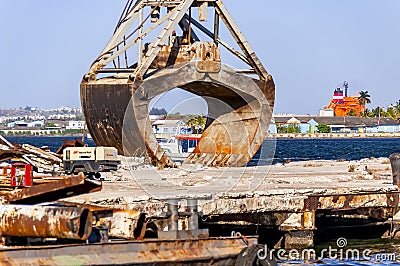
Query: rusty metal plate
(54, 189)
(45, 221)
(240, 109)
(215, 251)
(353, 201)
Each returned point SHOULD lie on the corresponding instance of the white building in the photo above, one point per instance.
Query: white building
(62, 116)
(76, 125)
(327, 112)
(26, 124)
(168, 126)
(155, 117)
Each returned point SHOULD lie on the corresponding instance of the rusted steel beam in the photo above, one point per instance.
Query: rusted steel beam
(241, 40)
(352, 201)
(177, 14)
(299, 221)
(215, 37)
(56, 189)
(45, 221)
(215, 251)
(125, 224)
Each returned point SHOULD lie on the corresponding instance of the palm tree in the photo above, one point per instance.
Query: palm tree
(396, 108)
(367, 113)
(378, 111)
(191, 122)
(390, 112)
(196, 123)
(363, 99)
(201, 123)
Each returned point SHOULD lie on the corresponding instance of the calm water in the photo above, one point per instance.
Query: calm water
(52, 142)
(285, 149)
(334, 149)
(306, 149)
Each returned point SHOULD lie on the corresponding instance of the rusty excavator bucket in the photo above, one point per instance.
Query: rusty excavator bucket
(117, 90)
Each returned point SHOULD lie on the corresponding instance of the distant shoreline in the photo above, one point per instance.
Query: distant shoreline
(41, 136)
(333, 135)
(278, 135)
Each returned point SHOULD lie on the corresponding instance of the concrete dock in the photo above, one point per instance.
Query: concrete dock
(288, 197)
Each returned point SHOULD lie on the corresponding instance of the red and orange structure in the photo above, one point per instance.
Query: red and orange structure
(343, 104)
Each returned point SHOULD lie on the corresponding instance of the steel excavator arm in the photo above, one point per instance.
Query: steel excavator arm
(116, 106)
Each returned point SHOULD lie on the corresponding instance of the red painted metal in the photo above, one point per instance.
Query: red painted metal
(13, 177)
(18, 179)
(188, 137)
(28, 176)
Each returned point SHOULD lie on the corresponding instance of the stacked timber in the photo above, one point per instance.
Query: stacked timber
(42, 161)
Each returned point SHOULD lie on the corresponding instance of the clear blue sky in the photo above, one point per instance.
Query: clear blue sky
(308, 46)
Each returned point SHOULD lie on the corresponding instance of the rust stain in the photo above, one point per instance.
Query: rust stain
(51, 190)
(343, 202)
(232, 136)
(45, 221)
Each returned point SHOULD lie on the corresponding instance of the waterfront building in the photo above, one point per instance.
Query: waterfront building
(26, 124)
(342, 105)
(327, 112)
(338, 124)
(76, 125)
(169, 126)
(272, 129)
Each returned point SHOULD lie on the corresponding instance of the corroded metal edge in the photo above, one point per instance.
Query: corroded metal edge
(117, 113)
(52, 190)
(45, 221)
(220, 251)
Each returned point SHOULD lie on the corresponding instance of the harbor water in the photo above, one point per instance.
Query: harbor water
(285, 150)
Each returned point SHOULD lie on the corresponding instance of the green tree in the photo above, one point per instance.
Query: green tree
(390, 112)
(191, 122)
(367, 113)
(378, 111)
(196, 123)
(281, 129)
(323, 128)
(49, 125)
(200, 123)
(396, 108)
(288, 128)
(363, 99)
(352, 112)
(293, 129)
